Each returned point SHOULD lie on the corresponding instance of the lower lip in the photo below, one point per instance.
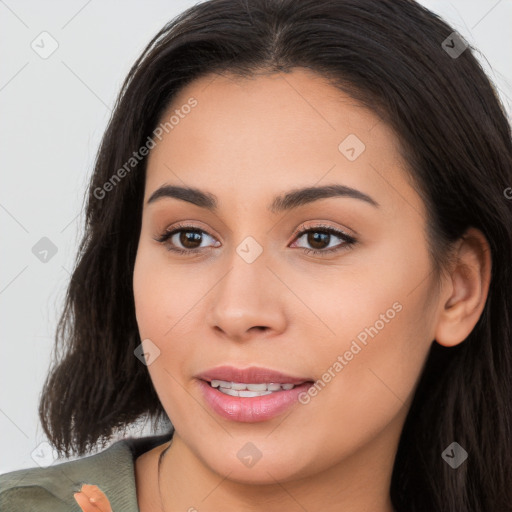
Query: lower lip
(251, 409)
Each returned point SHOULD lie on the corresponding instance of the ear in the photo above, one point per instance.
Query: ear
(465, 293)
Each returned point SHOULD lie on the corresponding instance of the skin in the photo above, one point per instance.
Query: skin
(92, 499)
(247, 141)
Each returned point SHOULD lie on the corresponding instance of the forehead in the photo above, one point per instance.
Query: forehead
(267, 133)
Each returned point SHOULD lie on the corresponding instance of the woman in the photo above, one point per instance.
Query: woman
(298, 251)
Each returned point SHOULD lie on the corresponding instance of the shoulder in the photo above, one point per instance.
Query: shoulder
(51, 488)
(24, 489)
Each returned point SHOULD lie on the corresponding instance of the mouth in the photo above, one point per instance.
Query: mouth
(250, 394)
(256, 402)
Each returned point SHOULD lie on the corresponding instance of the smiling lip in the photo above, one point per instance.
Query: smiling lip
(251, 375)
(250, 409)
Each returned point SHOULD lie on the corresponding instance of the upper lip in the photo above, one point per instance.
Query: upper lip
(251, 375)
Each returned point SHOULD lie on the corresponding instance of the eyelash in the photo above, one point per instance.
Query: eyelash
(348, 240)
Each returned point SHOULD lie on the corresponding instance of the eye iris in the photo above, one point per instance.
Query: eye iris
(185, 239)
(317, 237)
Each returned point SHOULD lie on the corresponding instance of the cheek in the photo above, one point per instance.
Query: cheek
(366, 372)
(163, 294)
(162, 300)
(376, 325)
(168, 307)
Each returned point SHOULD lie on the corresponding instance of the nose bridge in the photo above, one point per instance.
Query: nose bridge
(246, 296)
(246, 284)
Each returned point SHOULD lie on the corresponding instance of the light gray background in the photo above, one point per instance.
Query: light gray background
(53, 113)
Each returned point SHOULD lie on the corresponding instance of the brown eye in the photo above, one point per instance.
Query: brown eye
(319, 239)
(186, 239)
(189, 239)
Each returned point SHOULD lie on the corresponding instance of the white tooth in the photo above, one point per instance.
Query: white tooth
(229, 391)
(257, 387)
(223, 383)
(253, 388)
(249, 394)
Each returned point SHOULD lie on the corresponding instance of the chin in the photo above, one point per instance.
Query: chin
(261, 470)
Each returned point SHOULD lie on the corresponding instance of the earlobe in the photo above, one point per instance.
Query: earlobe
(469, 286)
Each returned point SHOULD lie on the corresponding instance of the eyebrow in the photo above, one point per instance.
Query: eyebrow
(288, 201)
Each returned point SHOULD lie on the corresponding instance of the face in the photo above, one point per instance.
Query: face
(331, 289)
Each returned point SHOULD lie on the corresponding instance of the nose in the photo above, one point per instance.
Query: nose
(247, 302)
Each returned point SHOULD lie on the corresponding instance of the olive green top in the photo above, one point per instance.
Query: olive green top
(51, 489)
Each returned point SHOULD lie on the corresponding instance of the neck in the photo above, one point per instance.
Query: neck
(360, 482)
